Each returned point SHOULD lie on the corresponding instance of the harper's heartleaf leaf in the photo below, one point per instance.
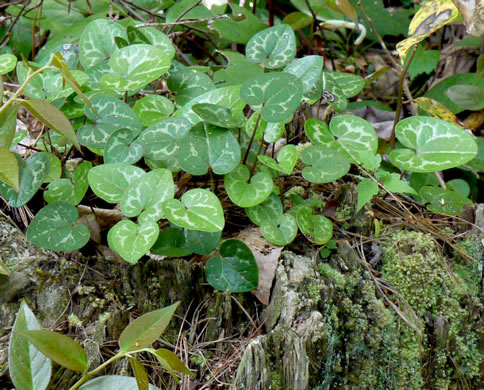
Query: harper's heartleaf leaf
(274, 47)
(145, 330)
(460, 186)
(349, 84)
(217, 115)
(113, 382)
(201, 243)
(132, 241)
(8, 125)
(199, 209)
(187, 84)
(60, 189)
(366, 189)
(431, 145)
(316, 228)
(152, 109)
(308, 70)
(234, 270)
(244, 193)
(9, 169)
(286, 159)
(139, 373)
(443, 201)
(325, 164)
(238, 71)
(121, 148)
(269, 210)
(318, 133)
(110, 181)
(280, 231)
(55, 228)
(470, 97)
(171, 243)
(7, 63)
(153, 36)
(29, 369)
(58, 347)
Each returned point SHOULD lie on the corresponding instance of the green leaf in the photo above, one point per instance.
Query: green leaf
(171, 243)
(170, 360)
(274, 47)
(424, 61)
(55, 228)
(113, 382)
(239, 30)
(60, 189)
(132, 241)
(110, 181)
(279, 94)
(97, 42)
(308, 70)
(61, 349)
(366, 189)
(478, 162)
(238, 71)
(201, 243)
(431, 145)
(146, 194)
(207, 146)
(140, 374)
(9, 169)
(217, 115)
(280, 231)
(7, 63)
(286, 159)
(8, 125)
(245, 191)
(199, 209)
(443, 201)
(110, 115)
(460, 186)
(316, 228)
(470, 97)
(29, 369)
(153, 36)
(236, 269)
(145, 330)
(121, 148)
(326, 165)
(393, 183)
(318, 133)
(152, 109)
(187, 84)
(349, 84)
(269, 210)
(298, 20)
(52, 117)
(134, 67)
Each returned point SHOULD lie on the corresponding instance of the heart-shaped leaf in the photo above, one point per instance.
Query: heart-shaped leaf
(134, 67)
(316, 228)
(286, 159)
(199, 209)
(239, 69)
(187, 84)
(9, 169)
(217, 115)
(80, 181)
(55, 228)
(110, 181)
(244, 193)
(7, 63)
(331, 92)
(120, 148)
(443, 201)
(97, 41)
(270, 209)
(153, 36)
(152, 109)
(318, 133)
(161, 141)
(209, 146)
(280, 231)
(146, 194)
(274, 47)
(111, 115)
(279, 94)
(431, 145)
(308, 70)
(60, 189)
(201, 243)
(349, 84)
(132, 241)
(236, 269)
(171, 243)
(326, 165)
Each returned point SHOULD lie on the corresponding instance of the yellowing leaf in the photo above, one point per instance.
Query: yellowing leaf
(437, 110)
(473, 15)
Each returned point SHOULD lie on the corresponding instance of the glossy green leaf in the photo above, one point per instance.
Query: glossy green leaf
(121, 148)
(9, 169)
(238, 71)
(431, 144)
(201, 243)
(52, 117)
(325, 164)
(217, 115)
(239, 30)
(132, 241)
(308, 70)
(207, 146)
(168, 359)
(443, 201)
(7, 63)
(152, 109)
(110, 181)
(286, 159)
(279, 94)
(280, 231)
(113, 382)
(270, 209)
(55, 227)
(145, 330)
(199, 209)
(139, 373)
(316, 228)
(478, 162)
(274, 47)
(367, 189)
(234, 270)
(349, 84)
(245, 191)
(8, 125)
(29, 369)
(146, 194)
(187, 84)
(470, 97)
(61, 349)
(55, 168)
(331, 92)
(171, 243)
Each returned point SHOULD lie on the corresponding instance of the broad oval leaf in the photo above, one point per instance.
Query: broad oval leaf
(132, 241)
(153, 36)
(443, 201)
(60, 189)
(431, 145)
(316, 228)
(61, 349)
(55, 228)
(274, 47)
(110, 181)
(308, 70)
(28, 367)
(270, 209)
(349, 84)
(187, 84)
(145, 330)
(318, 133)
(326, 165)
(470, 97)
(245, 191)
(217, 115)
(121, 148)
(113, 382)
(171, 243)
(153, 108)
(279, 94)
(9, 169)
(201, 243)
(286, 159)
(236, 270)
(7, 63)
(280, 231)
(199, 209)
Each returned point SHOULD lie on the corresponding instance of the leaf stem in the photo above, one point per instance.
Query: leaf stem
(252, 139)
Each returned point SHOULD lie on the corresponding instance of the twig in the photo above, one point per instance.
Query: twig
(130, 10)
(183, 22)
(184, 13)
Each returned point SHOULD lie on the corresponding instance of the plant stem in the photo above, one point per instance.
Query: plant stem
(251, 139)
(86, 376)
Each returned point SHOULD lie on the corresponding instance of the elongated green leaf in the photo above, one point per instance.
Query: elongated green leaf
(140, 374)
(8, 125)
(172, 361)
(52, 117)
(245, 193)
(113, 382)
(61, 349)
(28, 368)
(9, 169)
(470, 97)
(145, 330)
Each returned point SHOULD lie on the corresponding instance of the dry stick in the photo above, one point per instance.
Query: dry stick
(183, 14)
(182, 22)
(400, 93)
(131, 11)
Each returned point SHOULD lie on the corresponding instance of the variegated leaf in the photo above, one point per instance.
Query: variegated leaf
(308, 70)
(245, 191)
(326, 165)
(286, 159)
(279, 231)
(7, 63)
(152, 109)
(120, 148)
